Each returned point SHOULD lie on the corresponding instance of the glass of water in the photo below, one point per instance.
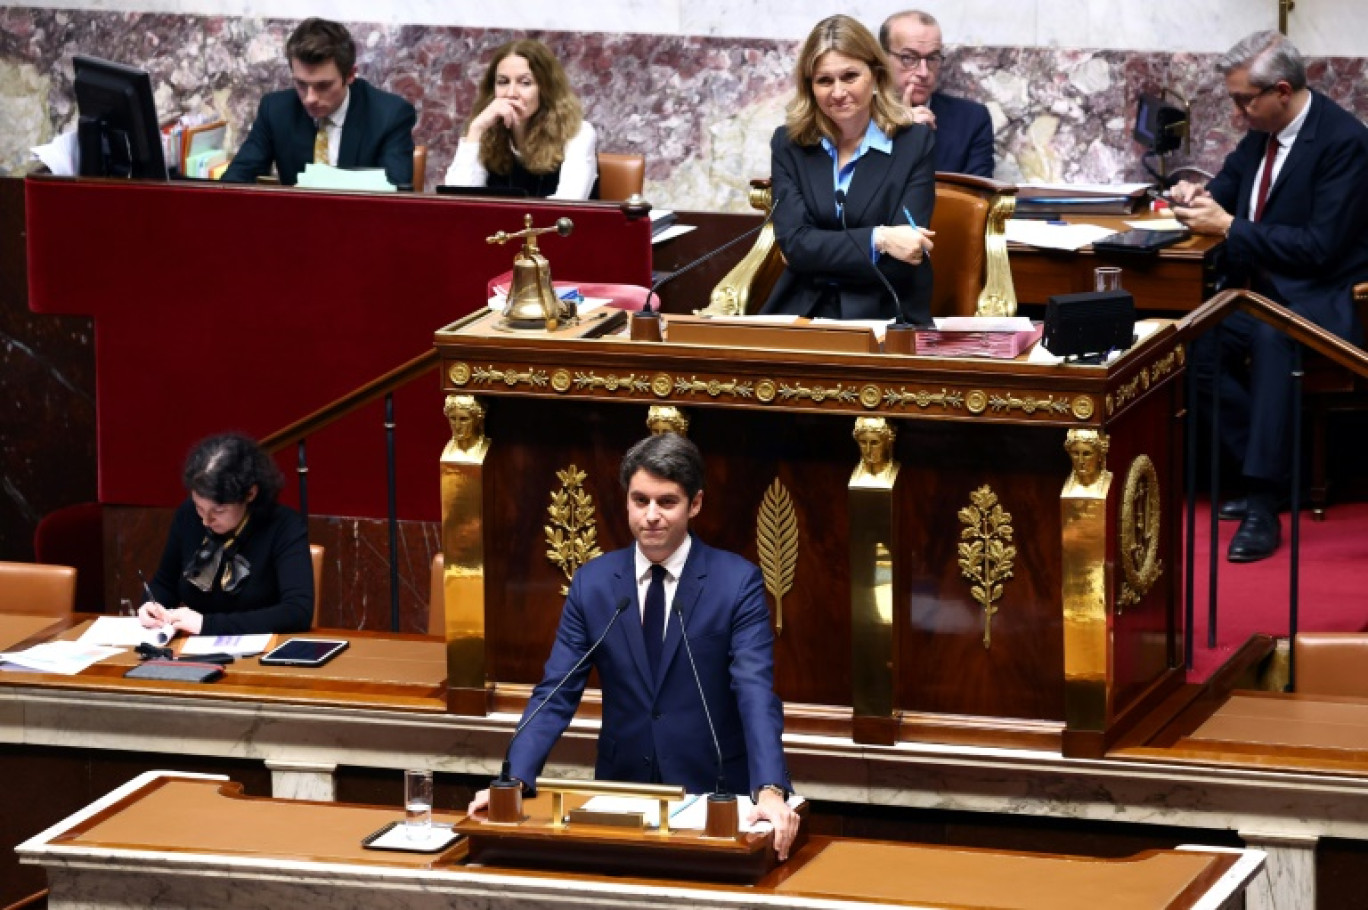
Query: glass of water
(418, 804)
(1107, 278)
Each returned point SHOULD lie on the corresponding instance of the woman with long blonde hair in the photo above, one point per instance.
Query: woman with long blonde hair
(854, 183)
(528, 130)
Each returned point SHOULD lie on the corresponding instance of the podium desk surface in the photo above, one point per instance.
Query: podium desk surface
(178, 835)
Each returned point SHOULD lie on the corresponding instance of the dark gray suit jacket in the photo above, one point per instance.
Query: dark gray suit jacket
(819, 251)
(378, 132)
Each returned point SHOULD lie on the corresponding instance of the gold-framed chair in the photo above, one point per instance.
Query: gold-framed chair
(973, 276)
(37, 589)
(621, 175)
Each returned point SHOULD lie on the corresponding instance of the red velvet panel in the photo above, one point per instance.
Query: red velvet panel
(220, 307)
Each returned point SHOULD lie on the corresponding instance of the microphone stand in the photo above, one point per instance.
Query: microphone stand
(506, 791)
(723, 815)
(900, 335)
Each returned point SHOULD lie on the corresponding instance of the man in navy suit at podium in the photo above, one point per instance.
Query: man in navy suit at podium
(655, 728)
(1290, 203)
(964, 129)
(329, 117)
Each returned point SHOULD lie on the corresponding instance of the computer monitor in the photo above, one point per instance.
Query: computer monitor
(118, 133)
(1159, 127)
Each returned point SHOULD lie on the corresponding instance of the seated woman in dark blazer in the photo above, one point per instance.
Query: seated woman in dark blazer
(528, 130)
(236, 562)
(847, 137)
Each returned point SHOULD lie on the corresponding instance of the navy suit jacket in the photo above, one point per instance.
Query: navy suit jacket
(818, 251)
(655, 728)
(964, 135)
(1311, 245)
(378, 132)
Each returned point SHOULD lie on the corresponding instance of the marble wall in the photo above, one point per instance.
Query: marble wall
(700, 107)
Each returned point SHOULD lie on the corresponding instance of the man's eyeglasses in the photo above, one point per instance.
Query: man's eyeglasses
(909, 60)
(1244, 101)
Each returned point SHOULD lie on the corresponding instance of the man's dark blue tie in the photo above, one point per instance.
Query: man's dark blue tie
(653, 619)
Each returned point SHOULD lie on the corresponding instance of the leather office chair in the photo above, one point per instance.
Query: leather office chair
(316, 557)
(1331, 663)
(419, 168)
(620, 176)
(37, 589)
(1329, 388)
(973, 276)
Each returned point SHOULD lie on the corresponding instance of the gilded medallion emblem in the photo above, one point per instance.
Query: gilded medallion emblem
(1140, 523)
(459, 373)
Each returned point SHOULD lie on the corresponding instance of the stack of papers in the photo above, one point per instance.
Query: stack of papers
(327, 177)
(1053, 235)
(687, 814)
(125, 632)
(65, 657)
(1002, 337)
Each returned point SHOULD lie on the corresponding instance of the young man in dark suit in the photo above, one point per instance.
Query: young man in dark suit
(964, 129)
(329, 117)
(654, 727)
(1289, 201)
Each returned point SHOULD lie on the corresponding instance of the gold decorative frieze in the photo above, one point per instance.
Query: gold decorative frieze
(714, 388)
(572, 535)
(632, 382)
(493, 376)
(840, 392)
(987, 556)
(1165, 365)
(1029, 404)
(1132, 389)
(776, 540)
(1140, 524)
(922, 398)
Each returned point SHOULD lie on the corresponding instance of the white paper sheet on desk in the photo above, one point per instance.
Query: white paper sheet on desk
(65, 657)
(1157, 224)
(1085, 189)
(672, 232)
(125, 632)
(688, 814)
(62, 155)
(1143, 329)
(239, 645)
(327, 177)
(1051, 235)
(983, 323)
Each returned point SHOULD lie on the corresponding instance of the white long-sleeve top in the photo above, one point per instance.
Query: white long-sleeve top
(578, 171)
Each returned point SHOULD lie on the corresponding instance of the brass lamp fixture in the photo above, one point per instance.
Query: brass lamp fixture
(532, 303)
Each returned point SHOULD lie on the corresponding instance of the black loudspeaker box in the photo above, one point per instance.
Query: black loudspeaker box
(1080, 325)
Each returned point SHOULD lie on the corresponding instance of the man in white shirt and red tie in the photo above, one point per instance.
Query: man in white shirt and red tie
(1290, 202)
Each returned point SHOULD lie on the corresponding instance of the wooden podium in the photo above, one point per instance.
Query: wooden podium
(976, 593)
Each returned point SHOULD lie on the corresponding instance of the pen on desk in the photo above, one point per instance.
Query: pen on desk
(163, 636)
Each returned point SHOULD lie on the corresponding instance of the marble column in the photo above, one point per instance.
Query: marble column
(1288, 881)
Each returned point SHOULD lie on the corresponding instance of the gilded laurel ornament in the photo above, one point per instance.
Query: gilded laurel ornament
(776, 539)
(986, 554)
(572, 535)
(1140, 523)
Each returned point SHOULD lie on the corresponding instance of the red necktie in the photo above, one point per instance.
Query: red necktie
(1266, 177)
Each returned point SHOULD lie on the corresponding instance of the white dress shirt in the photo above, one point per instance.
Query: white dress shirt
(674, 567)
(578, 171)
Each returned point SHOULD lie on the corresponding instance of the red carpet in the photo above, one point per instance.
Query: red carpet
(1254, 597)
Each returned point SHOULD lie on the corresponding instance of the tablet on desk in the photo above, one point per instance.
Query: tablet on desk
(304, 652)
(1139, 241)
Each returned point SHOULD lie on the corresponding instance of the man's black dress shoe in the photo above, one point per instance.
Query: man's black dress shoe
(1234, 509)
(1257, 537)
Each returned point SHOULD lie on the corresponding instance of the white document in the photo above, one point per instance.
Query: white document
(237, 645)
(671, 232)
(65, 657)
(1158, 224)
(62, 155)
(688, 814)
(1083, 189)
(983, 323)
(125, 632)
(1052, 235)
(327, 177)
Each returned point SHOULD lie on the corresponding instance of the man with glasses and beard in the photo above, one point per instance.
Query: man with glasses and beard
(1289, 201)
(964, 130)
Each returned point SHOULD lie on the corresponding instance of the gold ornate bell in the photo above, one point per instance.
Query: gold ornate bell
(532, 303)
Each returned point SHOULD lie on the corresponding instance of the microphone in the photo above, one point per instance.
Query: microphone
(720, 789)
(689, 267)
(898, 319)
(505, 777)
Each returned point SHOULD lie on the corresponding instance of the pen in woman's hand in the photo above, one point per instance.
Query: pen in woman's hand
(166, 632)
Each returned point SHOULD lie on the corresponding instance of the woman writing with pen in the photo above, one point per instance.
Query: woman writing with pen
(854, 183)
(236, 562)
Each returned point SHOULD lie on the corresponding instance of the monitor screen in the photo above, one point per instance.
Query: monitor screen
(1158, 126)
(118, 132)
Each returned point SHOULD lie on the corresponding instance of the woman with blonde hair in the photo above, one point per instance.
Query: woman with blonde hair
(528, 131)
(854, 183)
